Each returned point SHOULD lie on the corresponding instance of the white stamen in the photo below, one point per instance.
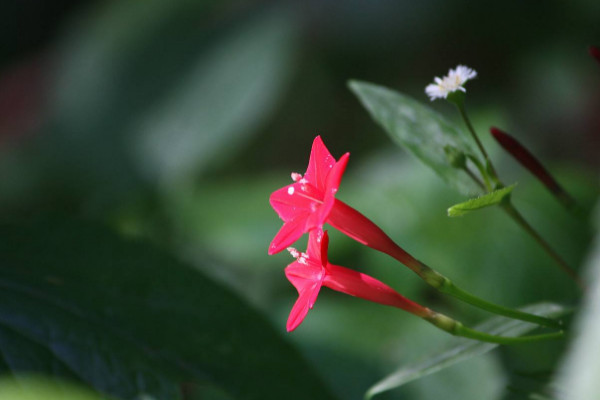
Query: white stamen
(291, 190)
(296, 176)
(295, 253)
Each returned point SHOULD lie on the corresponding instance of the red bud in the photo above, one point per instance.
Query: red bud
(528, 160)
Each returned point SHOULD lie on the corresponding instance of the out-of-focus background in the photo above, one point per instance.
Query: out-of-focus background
(173, 121)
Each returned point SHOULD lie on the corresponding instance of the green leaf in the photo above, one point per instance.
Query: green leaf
(148, 93)
(31, 387)
(464, 349)
(486, 200)
(419, 129)
(77, 301)
(222, 100)
(578, 377)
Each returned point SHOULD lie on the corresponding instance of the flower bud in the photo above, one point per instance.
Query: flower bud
(455, 157)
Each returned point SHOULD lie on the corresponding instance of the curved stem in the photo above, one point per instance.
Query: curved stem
(445, 285)
(475, 178)
(456, 328)
(463, 113)
(354, 224)
(510, 209)
(482, 172)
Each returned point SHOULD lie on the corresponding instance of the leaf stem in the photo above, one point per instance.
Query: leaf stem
(510, 209)
(507, 205)
(463, 113)
(476, 179)
(456, 328)
(445, 285)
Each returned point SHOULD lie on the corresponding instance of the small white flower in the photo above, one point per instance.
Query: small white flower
(452, 82)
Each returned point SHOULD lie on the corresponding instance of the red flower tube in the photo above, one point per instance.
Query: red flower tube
(312, 270)
(310, 202)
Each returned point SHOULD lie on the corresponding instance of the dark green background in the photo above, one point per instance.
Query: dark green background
(139, 142)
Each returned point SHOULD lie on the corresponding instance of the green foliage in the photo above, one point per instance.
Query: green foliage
(130, 320)
(31, 387)
(419, 129)
(148, 124)
(579, 373)
(463, 349)
(486, 200)
(150, 94)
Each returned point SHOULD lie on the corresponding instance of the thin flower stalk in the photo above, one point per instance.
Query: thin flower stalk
(312, 270)
(456, 95)
(309, 203)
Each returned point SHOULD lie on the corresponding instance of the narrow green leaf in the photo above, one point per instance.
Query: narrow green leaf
(76, 301)
(487, 200)
(463, 349)
(419, 129)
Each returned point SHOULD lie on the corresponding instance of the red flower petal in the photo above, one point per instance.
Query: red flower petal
(288, 234)
(288, 202)
(301, 307)
(307, 279)
(320, 163)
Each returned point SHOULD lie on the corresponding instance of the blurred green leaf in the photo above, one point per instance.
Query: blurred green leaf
(225, 96)
(464, 349)
(419, 129)
(578, 378)
(130, 320)
(486, 200)
(152, 92)
(31, 387)
(461, 382)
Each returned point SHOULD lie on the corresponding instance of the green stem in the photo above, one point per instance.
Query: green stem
(458, 329)
(472, 175)
(445, 285)
(482, 172)
(509, 208)
(463, 113)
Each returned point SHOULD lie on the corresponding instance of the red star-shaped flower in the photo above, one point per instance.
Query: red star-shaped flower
(310, 202)
(305, 204)
(312, 270)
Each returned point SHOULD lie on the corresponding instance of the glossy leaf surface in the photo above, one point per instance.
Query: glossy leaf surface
(77, 301)
(419, 129)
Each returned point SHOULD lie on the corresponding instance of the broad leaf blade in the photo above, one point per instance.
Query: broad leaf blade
(418, 129)
(463, 349)
(486, 200)
(129, 320)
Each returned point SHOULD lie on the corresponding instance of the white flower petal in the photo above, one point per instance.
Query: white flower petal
(452, 82)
